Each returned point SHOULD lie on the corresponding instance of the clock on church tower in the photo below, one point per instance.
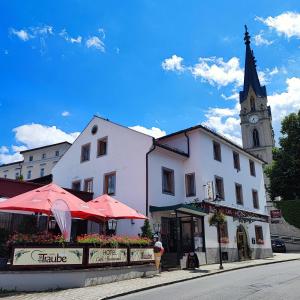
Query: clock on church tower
(255, 114)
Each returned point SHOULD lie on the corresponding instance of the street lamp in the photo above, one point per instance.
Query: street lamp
(217, 199)
(112, 226)
(156, 228)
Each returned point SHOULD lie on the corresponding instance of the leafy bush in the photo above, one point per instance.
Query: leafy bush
(146, 230)
(112, 241)
(216, 218)
(39, 238)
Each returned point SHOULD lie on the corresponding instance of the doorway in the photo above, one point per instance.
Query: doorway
(242, 243)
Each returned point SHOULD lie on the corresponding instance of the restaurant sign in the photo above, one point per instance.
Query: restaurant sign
(141, 254)
(107, 255)
(47, 256)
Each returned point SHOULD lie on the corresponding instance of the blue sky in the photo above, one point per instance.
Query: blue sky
(163, 64)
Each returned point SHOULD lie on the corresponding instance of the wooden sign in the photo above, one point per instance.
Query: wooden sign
(141, 254)
(107, 255)
(47, 256)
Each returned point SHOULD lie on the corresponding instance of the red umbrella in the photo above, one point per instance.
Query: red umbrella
(41, 199)
(114, 209)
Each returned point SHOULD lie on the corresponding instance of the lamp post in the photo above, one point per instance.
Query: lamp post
(156, 228)
(217, 199)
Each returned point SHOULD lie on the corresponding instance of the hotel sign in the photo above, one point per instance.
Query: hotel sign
(47, 256)
(141, 254)
(107, 255)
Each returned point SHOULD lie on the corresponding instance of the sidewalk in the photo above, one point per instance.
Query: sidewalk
(107, 291)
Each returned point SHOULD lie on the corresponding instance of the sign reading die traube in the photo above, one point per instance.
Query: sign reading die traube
(107, 255)
(141, 254)
(47, 256)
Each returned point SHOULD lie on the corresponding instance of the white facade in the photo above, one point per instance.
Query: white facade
(183, 153)
(37, 162)
(126, 150)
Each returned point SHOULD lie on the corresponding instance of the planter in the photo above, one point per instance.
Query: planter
(3, 263)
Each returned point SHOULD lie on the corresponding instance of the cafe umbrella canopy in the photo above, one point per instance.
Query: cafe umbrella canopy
(114, 209)
(42, 199)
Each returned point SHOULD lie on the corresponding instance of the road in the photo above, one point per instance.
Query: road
(271, 282)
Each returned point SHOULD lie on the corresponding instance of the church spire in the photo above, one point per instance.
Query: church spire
(250, 75)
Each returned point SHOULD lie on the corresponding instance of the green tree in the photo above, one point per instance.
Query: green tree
(146, 230)
(284, 172)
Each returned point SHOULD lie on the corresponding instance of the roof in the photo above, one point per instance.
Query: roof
(250, 75)
(183, 208)
(43, 147)
(209, 130)
(11, 187)
(13, 163)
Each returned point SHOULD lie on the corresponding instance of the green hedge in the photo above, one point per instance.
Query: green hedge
(290, 211)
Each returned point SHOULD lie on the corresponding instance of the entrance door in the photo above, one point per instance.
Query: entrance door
(242, 243)
(187, 236)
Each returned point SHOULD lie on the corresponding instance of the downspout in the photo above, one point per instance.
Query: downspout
(147, 175)
(188, 143)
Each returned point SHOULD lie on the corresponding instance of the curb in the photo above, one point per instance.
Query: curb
(193, 278)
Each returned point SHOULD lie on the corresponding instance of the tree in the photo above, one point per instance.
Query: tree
(284, 172)
(146, 230)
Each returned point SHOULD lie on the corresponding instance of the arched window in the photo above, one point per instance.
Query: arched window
(255, 138)
(252, 104)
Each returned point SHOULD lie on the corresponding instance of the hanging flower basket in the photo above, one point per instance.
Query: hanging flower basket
(216, 218)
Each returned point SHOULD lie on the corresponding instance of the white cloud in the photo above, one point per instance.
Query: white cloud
(225, 121)
(234, 96)
(173, 64)
(32, 136)
(64, 34)
(287, 23)
(153, 131)
(42, 30)
(21, 34)
(102, 32)
(287, 101)
(3, 150)
(95, 42)
(65, 114)
(37, 135)
(218, 72)
(259, 40)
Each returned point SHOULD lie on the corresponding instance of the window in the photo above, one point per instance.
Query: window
(168, 181)
(252, 104)
(255, 199)
(224, 233)
(239, 194)
(29, 174)
(16, 176)
(56, 153)
(88, 185)
(76, 185)
(259, 235)
(219, 188)
(85, 152)
(252, 167)
(217, 151)
(5, 175)
(110, 183)
(30, 158)
(236, 160)
(255, 138)
(43, 155)
(102, 147)
(42, 172)
(190, 187)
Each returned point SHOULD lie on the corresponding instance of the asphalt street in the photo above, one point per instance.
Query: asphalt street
(272, 282)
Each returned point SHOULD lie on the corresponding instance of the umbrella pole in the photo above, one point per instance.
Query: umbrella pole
(47, 228)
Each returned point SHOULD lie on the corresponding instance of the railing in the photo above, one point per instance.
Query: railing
(286, 238)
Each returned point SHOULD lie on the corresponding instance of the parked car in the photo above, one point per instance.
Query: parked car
(278, 245)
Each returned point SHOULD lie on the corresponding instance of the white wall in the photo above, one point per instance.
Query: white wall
(126, 152)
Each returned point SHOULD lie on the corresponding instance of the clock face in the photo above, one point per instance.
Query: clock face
(253, 119)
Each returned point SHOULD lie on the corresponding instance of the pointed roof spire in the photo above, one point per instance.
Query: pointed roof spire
(250, 75)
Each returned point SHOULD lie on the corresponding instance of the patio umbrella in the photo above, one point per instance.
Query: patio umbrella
(114, 209)
(41, 200)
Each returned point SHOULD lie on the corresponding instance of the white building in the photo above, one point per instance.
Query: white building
(174, 180)
(38, 162)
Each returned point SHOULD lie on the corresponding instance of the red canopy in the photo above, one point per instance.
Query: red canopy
(114, 209)
(41, 199)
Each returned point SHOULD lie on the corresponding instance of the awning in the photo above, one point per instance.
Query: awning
(181, 208)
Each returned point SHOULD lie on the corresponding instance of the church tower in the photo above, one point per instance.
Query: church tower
(255, 114)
